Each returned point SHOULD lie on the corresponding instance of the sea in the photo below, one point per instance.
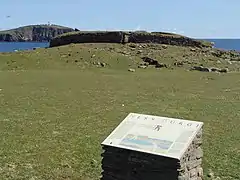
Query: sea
(226, 44)
(20, 46)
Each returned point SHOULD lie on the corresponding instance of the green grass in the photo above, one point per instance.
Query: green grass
(55, 112)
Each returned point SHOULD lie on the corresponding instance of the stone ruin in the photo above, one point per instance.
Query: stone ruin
(129, 154)
(126, 37)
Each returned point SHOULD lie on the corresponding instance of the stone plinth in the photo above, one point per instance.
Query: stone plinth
(147, 147)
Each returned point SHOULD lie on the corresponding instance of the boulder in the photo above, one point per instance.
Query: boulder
(164, 46)
(160, 65)
(103, 64)
(224, 70)
(132, 45)
(97, 63)
(178, 63)
(142, 66)
(201, 68)
(150, 61)
(131, 70)
(214, 69)
(193, 49)
(217, 53)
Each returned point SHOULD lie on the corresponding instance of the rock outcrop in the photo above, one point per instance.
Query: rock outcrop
(206, 69)
(37, 33)
(126, 37)
(150, 61)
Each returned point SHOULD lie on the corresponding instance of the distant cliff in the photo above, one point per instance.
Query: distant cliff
(37, 33)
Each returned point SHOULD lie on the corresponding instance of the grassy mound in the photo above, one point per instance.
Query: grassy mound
(58, 104)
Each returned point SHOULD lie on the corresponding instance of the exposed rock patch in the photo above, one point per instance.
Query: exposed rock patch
(153, 62)
(150, 61)
(201, 68)
(206, 69)
(178, 63)
(226, 55)
(142, 66)
(131, 70)
(100, 64)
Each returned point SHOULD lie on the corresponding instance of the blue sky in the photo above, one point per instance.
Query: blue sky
(199, 19)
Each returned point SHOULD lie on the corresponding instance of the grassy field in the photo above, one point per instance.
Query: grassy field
(56, 107)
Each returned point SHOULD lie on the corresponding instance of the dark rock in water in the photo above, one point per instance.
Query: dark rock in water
(35, 48)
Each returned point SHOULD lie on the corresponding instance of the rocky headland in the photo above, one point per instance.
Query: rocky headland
(36, 33)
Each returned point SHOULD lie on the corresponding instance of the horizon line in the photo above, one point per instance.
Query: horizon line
(113, 29)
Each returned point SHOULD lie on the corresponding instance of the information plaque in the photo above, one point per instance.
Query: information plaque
(156, 135)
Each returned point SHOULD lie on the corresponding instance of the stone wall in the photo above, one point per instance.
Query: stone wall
(125, 37)
(122, 164)
(160, 38)
(191, 162)
(88, 37)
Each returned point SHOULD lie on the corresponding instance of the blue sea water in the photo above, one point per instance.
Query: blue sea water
(227, 44)
(19, 46)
